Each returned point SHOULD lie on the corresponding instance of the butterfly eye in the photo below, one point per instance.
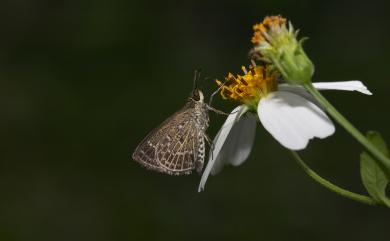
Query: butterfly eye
(195, 95)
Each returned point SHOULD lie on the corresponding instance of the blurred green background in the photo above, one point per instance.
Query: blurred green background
(82, 82)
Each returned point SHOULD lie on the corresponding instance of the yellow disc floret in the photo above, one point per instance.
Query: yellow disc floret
(260, 30)
(251, 87)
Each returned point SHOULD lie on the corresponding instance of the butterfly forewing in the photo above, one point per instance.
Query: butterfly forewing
(177, 145)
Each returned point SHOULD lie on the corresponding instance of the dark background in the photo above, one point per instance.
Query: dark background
(82, 82)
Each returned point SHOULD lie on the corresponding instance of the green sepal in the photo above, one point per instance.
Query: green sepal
(302, 41)
(374, 178)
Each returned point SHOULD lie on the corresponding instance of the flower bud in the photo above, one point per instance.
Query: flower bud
(277, 43)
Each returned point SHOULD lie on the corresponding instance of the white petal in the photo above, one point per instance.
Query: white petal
(353, 85)
(232, 125)
(298, 90)
(238, 144)
(293, 120)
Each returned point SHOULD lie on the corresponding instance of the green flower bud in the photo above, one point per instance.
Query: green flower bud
(277, 44)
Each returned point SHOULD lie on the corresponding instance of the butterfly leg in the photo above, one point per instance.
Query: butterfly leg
(211, 100)
(217, 111)
(212, 96)
(220, 111)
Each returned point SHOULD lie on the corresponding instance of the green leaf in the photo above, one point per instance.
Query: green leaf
(374, 179)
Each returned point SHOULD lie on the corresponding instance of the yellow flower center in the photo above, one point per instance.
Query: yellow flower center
(261, 29)
(251, 87)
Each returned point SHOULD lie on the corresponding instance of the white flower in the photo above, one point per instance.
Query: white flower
(289, 114)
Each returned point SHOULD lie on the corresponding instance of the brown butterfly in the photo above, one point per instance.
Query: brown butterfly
(177, 146)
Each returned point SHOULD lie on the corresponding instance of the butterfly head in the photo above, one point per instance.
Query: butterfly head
(197, 95)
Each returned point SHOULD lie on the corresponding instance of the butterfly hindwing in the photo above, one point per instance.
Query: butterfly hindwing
(177, 153)
(176, 147)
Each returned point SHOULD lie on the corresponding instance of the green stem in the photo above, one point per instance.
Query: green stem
(380, 158)
(343, 192)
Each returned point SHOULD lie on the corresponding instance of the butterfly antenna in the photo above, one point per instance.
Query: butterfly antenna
(196, 78)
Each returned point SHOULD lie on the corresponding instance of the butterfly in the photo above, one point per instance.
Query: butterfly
(177, 146)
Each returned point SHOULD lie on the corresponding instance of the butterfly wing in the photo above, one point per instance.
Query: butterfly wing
(176, 147)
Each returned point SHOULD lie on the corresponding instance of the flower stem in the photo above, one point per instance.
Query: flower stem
(332, 187)
(379, 157)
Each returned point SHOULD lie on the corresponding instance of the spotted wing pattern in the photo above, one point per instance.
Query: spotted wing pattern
(176, 147)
